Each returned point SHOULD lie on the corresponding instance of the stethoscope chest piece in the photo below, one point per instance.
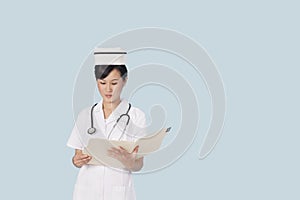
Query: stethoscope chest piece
(91, 130)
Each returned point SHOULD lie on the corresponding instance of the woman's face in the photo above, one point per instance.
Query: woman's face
(111, 86)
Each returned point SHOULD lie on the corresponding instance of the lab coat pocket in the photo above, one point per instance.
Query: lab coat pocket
(118, 193)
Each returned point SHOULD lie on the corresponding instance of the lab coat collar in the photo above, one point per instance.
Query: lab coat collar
(119, 110)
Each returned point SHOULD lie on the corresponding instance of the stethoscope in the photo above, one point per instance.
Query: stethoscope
(92, 129)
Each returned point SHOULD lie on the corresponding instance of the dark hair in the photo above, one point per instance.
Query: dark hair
(102, 71)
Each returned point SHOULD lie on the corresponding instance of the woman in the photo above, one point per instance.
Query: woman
(95, 182)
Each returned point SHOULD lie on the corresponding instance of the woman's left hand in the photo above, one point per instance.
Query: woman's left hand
(129, 160)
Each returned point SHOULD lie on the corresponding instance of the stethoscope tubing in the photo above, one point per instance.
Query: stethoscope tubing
(92, 129)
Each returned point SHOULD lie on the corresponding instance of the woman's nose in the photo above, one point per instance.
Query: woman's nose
(109, 87)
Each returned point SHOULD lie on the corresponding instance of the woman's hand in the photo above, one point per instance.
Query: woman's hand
(80, 159)
(129, 160)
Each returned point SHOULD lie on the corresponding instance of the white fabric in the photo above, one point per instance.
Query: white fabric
(100, 182)
(109, 59)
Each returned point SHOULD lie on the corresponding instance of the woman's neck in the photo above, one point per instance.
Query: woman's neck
(108, 107)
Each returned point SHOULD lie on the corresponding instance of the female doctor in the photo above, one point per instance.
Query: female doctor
(96, 182)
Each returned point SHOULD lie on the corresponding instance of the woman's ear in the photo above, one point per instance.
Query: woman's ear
(125, 80)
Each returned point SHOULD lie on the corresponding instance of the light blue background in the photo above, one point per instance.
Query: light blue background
(255, 45)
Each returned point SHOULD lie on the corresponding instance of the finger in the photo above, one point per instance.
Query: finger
(112, 154)
(79, 158)
(78, 163)
(136, 149)
(121, 148)
(117, 151)
(112, 151)
(87, 159)
(83, 156)
(123, 151)
(84, 161)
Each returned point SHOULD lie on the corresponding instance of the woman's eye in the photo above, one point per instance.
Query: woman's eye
(102, 83)
(114, 83)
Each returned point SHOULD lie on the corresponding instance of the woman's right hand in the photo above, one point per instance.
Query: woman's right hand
(80, 159)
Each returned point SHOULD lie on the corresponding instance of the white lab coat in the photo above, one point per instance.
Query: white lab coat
(100, 182)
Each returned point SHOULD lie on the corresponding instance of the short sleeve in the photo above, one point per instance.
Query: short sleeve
(74, 139)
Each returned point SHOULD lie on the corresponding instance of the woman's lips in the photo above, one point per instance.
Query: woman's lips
(108, 95)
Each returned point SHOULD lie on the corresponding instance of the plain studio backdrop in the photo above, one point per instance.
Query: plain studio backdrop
(255, 45)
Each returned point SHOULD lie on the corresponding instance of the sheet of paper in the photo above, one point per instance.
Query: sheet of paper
(98, 147)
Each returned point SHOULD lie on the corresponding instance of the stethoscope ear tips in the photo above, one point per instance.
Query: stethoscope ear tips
(91, 130)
